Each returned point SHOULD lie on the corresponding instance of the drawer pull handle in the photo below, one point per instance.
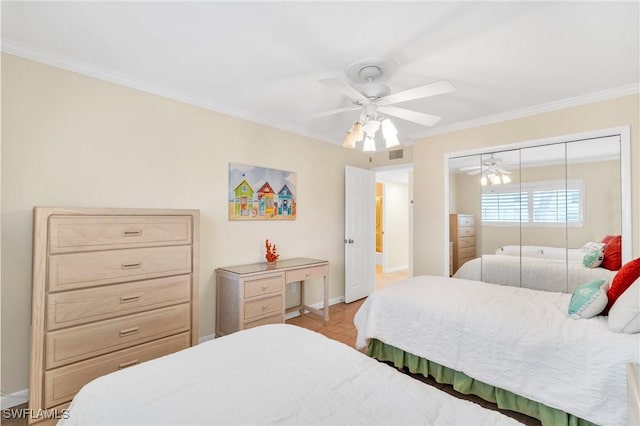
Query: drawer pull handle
(264, 307)
(126, 299)
(264, 287)
(127, 364)
(132, 233)
(308, 274)
(131, 265)
(129, 331)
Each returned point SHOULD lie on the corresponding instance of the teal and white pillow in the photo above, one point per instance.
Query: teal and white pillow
(589, 299)
(594, 258)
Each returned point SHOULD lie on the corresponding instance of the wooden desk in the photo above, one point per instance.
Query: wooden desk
(254, 294)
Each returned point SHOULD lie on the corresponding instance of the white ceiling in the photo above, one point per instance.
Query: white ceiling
(262, 60)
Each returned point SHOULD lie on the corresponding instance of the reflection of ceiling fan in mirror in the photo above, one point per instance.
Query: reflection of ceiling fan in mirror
(492, 169)
(375, 101)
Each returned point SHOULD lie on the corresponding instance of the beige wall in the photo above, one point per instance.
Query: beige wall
(429, 153)
(396, 226)
(71, 140)
(601, 216)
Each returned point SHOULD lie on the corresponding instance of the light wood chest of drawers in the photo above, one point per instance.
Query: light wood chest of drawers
(462, 234)
(111, 288)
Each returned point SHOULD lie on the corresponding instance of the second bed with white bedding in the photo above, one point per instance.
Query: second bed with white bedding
(517, 339)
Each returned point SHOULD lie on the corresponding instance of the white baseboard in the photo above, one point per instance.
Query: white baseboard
(15, 398)
(318, 305)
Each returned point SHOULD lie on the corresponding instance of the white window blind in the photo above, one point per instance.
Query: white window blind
(548, 203)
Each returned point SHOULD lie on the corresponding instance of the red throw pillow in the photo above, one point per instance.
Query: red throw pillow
(612, 252)
(623, 280)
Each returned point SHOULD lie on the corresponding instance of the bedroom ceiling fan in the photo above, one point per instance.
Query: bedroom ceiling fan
(492, 172)
(375, 101)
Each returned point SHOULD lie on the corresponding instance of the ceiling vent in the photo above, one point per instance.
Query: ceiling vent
(396, 154)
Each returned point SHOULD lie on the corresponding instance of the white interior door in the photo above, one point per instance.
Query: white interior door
(360, 233)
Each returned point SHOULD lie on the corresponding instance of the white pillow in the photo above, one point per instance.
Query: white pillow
(624, 315)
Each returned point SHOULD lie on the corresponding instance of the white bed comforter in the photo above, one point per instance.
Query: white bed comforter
(275, 374)
(517, 339)
(535, 273)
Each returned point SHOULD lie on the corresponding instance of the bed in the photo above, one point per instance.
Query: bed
(271, 374)
(514, 344)
(548, 271)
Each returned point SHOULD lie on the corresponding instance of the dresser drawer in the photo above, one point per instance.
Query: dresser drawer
(263, 286)
(466, 242)
(466, 220)
(78, 270)
(88, 233)
(82, 306)
(275, 319)
(466, 252)
(263, 307)
(302, 274)
(86, 341)
(466, 231)
(61, 384)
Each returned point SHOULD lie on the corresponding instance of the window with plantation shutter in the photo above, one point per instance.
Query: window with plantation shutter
(548, 203)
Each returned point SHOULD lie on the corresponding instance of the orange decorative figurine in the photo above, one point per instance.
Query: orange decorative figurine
(271, 254)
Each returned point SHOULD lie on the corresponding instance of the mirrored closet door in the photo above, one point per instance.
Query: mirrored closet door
(533, 212)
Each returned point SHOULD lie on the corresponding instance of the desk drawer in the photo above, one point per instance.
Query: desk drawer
(263, 286)
(275, 319)
(86, 233)
(86, 341)
(78, 270)
(94, 304)
(263, 307)
(302, 274)
(61, 384)
(466, 252)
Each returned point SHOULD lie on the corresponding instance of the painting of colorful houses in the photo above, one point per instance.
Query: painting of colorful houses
(259, 193)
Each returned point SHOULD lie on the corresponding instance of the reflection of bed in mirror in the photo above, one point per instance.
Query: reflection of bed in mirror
(535, 267)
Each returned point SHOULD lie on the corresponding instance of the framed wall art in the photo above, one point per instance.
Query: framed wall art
(260, 193)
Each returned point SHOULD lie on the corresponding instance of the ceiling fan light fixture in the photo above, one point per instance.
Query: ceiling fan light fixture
(358, 131)
(390, 133)
(369, 145)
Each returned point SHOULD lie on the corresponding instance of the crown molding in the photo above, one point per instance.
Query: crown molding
(617, 92)
(28, 52)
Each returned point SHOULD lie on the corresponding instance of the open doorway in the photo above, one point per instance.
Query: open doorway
(394, 224)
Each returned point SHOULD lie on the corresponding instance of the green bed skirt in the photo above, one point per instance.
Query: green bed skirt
(464, 384)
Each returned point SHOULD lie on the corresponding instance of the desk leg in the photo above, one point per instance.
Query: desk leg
(302, 297)
(325, 311)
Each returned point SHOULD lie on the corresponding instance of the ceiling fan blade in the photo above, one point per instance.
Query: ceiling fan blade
(405, 114)
(431, 89)
(330, 112)
(345, 89)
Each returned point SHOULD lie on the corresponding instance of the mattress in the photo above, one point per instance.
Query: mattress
(529, 272)
(274, 374)
(517, 339)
